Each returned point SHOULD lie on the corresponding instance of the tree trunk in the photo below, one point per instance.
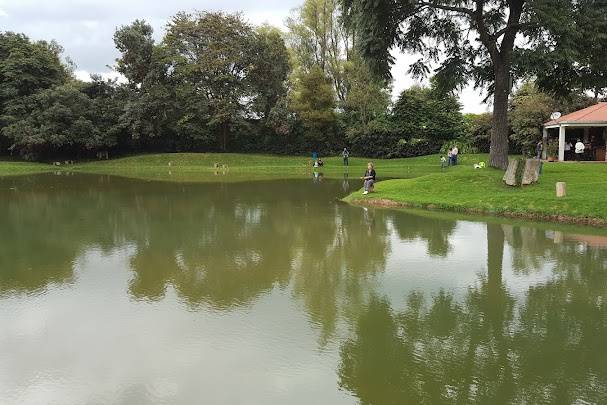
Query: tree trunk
(495, 255)
(496, 301)
(498, 156)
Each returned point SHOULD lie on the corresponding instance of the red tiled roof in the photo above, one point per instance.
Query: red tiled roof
(595, 114)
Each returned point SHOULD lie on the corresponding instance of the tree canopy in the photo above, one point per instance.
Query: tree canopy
(474, 40)
(215, 82)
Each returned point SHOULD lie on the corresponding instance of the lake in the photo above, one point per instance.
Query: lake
(119, 291)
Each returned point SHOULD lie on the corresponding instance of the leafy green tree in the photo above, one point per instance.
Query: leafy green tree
(151, 113)
(107, 101)
(58, 120)
(270, 71)
(571, 49)
(470, 40)
(530, 109)
(378, 138)
(26, 67)
(313, 101)
(317, 36)
(478, 130)
(213, 54)
(422, 112)
(367, 97)
(135, 43)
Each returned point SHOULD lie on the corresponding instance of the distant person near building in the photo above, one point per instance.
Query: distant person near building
(568, 147)
(579, 150)
(454, 153)
(539, 148)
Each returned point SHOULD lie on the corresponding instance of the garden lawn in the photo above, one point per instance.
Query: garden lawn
(463, 188)
(199, 167)
(414, 182)
(18, 168)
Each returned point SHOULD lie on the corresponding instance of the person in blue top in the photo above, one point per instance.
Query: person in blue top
(369, 178)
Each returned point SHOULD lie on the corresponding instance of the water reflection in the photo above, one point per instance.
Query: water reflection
(528, 326)
(488, 348)
(436, 232)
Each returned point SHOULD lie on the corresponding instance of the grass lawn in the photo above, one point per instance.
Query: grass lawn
(463, 188)
(415, 182)
(17, 168)
(199, 167)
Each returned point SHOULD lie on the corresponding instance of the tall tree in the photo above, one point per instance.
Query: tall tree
(151, 112)
(318, 35)
(470, 39)
(213, 55)
(26, 67)
(56, 121)
(367, 97)
(424, 112)
(135, 43)
(313, 101)
(270, 71)
(570, 49)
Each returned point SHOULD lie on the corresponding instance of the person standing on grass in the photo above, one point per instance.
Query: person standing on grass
(539, 148)
(454, 153)
(450, 157)
(346, 156)
(369, 178)
(568, 147)
(579, 150)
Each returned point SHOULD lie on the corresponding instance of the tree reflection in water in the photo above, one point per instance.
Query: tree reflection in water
(223, 246)
(547, 347)
(435, 232)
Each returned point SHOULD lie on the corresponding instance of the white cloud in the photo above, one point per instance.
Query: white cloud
(3, 13)
(85, 76)
(471, 99)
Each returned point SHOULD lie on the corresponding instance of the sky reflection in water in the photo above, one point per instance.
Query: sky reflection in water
(121, 291)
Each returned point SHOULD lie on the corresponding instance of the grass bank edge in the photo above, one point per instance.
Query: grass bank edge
(13, 168)
(590, 206)
(200, 167)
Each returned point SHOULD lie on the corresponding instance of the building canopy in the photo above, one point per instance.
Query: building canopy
(595, 115)
(587, 118)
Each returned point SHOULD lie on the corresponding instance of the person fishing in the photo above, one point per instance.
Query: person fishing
(369, 178)
(346, 155)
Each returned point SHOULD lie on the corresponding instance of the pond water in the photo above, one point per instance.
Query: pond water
(125, 291)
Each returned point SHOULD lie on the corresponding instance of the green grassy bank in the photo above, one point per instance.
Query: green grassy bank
(200, 167)
(482, 191)
(416, 182)
(18, 168)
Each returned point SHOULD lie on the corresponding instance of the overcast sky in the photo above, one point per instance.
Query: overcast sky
(85, 28)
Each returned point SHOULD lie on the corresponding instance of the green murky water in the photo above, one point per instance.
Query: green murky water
(127, 292)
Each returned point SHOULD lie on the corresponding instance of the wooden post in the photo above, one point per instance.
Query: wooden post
(561, 189)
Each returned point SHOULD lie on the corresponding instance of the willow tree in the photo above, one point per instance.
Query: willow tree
(468, 39)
